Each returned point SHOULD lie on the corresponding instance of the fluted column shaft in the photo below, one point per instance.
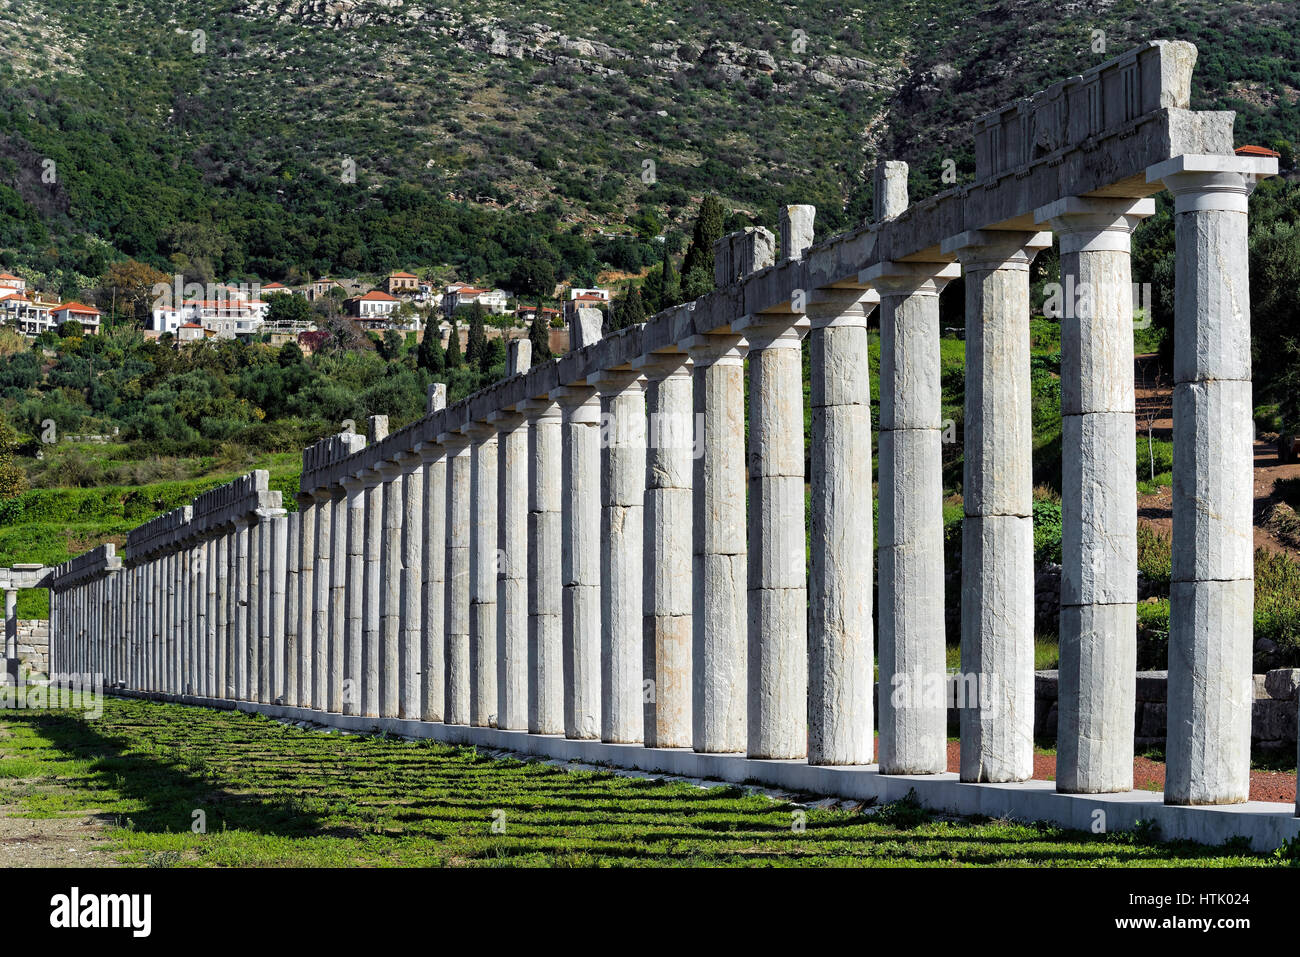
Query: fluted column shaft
(1098, 630)
(512, 571)
(622, 578)
(997, 609)
(666, 611)
(545, 578)
(580, 561)
(719, 554)
(456, 651)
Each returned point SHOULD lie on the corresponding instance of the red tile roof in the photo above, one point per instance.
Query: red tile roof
(1256, 151)
(377, 295)
(77, 308)
(402, 275)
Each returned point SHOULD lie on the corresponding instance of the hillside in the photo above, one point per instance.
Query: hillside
(221, 137)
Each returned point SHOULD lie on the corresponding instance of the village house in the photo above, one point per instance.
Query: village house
(8, 281)
(374, 305)
(462, 294)
(220, 318)
(320, 288)
(88, 316)
(402, 284)
(271, 289)
(584, 298)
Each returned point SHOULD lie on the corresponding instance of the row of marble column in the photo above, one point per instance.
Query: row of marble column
(611, 561)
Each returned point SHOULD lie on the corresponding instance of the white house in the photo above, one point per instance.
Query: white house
(376, 304)
(462, 294)
(224, 318)
(88, 316)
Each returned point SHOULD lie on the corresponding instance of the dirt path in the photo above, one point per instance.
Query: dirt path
(1154, 397)
(73, 841)
(1149, 775)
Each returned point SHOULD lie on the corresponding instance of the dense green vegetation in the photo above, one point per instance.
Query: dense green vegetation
(275, 795)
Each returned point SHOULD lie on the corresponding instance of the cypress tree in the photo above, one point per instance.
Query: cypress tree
(539, 334)
(453, 347)
(476, 344)
(697, 269)
(429, 356)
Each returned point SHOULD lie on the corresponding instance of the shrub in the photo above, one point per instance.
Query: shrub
(1047, 531)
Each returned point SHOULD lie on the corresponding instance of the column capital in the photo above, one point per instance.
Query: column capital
(352, 484)
(660, 365)
(388, 469)
(506, 420)
(715, 349)
(305, 499)
(454, 442)
(611, 382)
(409, 459)
(765, 330)
(571, 396)
(987, 249)
(540, 408)
(321, 494)
(833, 306)
(371, 477)
(480, 432)
(1095, 224)
(891, 278)
(429, 451)
(1211, 181)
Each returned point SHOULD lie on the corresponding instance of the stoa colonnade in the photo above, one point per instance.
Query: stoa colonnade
(591, 552)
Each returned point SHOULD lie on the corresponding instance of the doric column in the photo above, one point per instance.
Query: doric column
(372, 606)
(198, 592)
(840, 659)
(666, 602)
(265, 603)
(292, 615)
(233, 603)
(580, 558)
(434, 585)
(391, 573)
(354, 603)
(323, 515)
(483, 574)
(279, 522)
(411, 532)
(168, 671)
(719, 604)
(456, 650)
(913, 665)
(997, 607)
(1098, 632)
(545, 579)
(306, 659)
(777, 714)
(258, 595)
(1211, 614)
(243, 596)
(512, 573)
(338, 609)
(622, 582)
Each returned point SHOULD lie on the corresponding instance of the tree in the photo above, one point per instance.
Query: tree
(534, 272)
(628, 310)
(134, 285)
(288, 308)
(539, 334)
(697, 269)
(13, 479)
(454, 360)
(476, 344)
(429, 355)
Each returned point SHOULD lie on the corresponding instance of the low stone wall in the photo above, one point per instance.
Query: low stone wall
(1273, 715)
(34, 645)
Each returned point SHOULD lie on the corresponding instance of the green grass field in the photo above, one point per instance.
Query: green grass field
(277, 795)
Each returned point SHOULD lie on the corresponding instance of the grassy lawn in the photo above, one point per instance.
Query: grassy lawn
(279, 795)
